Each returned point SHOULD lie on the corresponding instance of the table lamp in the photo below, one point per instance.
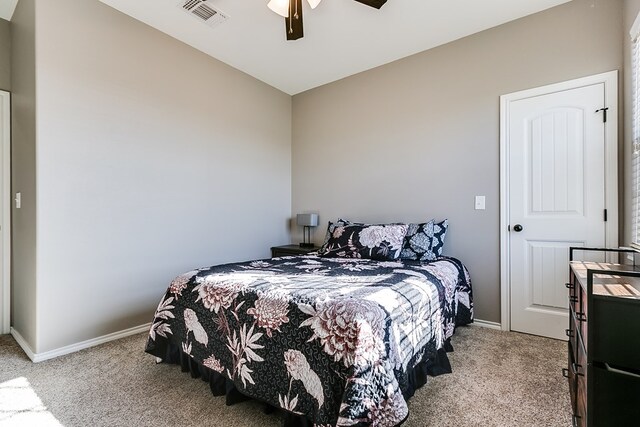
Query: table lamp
(307, 221)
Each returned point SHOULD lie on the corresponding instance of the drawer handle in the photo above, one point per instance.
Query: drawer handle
(620, 371)
(574, 420)
(569, 332)
(569, 285)
(565, 372)
(581, 317)
(573, 299)
(576, 369)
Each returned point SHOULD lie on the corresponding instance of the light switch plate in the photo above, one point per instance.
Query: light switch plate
(480, 203)
(18, 200)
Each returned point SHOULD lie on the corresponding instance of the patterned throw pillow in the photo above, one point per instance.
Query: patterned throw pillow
(424, 242)
(378, 242)
(439, 233)
(418, 242)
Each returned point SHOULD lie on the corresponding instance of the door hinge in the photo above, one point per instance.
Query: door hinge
(605, 215)
(604, 113)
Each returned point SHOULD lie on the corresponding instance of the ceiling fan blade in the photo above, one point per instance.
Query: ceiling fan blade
(373, 3)
(294, 21)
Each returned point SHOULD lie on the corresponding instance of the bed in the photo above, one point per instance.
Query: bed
(329, 341)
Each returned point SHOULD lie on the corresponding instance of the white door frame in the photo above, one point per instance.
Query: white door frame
(5, 215)
(610, 80)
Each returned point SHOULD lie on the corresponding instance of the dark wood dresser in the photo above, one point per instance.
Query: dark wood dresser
(604, 341)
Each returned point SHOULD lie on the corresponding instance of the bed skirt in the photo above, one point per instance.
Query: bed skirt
(220, 385)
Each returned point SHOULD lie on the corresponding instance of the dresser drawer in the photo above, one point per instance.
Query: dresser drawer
(573, 333)
(574, 295)
(579, 369)
(580, 414)
(582, 328)
(616, 397)
(570, 375)
(578, 306)
(576, 375)
(616, 330)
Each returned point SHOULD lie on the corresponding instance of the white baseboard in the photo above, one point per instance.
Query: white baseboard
(23, 344)
(487, 324)
(40, 357)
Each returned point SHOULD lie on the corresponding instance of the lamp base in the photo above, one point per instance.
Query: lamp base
(307, 245)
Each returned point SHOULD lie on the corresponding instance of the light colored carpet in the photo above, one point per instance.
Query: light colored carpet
(498, 379)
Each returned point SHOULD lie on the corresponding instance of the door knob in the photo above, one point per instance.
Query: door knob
(517, 228)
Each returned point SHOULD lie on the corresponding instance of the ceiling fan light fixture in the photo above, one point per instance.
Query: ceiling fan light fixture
(281, 7)
(314, 3)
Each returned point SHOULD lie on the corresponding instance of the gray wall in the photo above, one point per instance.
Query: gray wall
(23, 158)
(153, 159)
(5, 55)
(419, 138)
(631, 10)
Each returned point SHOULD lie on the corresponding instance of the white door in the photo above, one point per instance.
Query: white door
(556, 199)
(5, 211)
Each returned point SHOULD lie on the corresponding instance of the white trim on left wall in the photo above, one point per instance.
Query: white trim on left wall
(5, 198)
(41, 357)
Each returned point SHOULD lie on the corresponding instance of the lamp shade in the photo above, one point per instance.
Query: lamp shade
(307, 220)
(281, 7)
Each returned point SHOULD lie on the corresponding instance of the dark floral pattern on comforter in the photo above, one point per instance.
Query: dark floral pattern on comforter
(332, 339)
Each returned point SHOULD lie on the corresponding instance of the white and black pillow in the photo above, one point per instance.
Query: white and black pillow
(418, 242)
(439, 233)
(379, 242)
(424, 242)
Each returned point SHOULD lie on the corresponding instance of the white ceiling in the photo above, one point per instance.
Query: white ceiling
(342, 37)
(6, 9)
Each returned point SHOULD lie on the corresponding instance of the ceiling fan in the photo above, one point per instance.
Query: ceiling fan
(291, 10)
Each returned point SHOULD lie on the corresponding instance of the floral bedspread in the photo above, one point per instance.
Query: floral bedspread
(331, 339)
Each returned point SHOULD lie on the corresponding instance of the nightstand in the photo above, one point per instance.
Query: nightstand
(290, 250)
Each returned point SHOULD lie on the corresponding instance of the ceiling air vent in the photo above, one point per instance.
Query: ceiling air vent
(203, 11)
